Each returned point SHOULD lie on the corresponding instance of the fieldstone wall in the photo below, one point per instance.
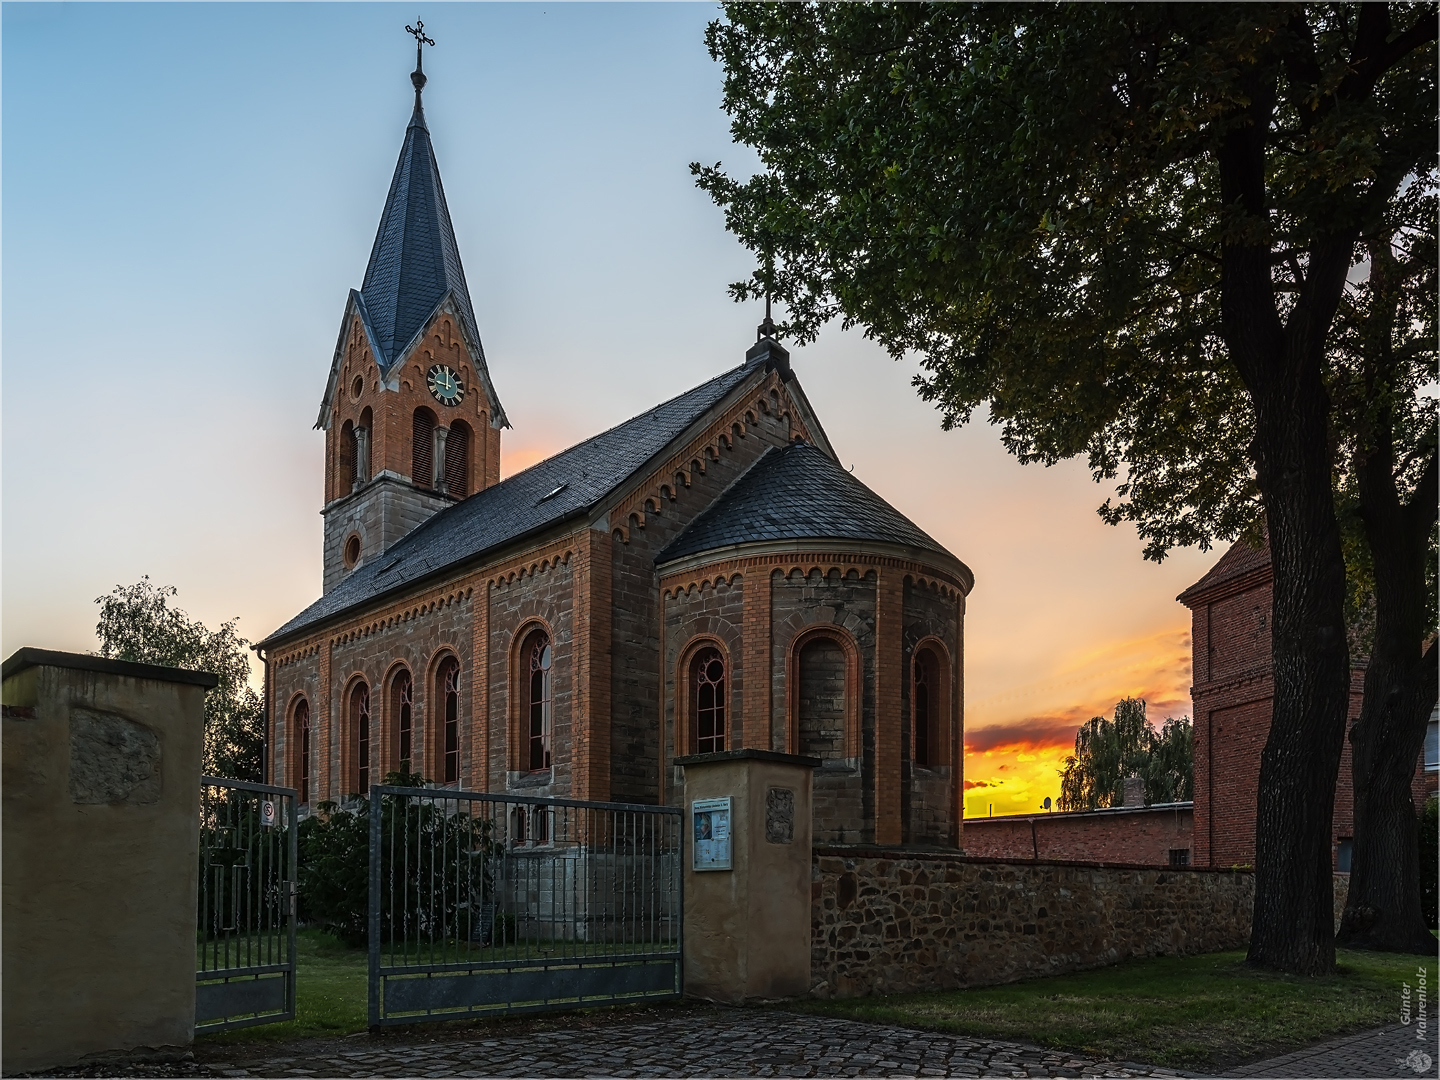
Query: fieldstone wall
(891, 922)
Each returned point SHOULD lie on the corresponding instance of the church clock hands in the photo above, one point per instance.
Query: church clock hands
(445, 385)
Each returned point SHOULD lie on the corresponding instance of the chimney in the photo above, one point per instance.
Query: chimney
(1134, 792)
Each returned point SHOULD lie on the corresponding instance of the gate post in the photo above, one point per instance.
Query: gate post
(102, 823)
(747, 874)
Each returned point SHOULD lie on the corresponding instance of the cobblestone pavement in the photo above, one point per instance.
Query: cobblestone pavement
(686, 1042)
(1385, 1052)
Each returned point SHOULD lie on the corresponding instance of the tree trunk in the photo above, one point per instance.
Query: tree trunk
(1293, 927)
(1382, 907)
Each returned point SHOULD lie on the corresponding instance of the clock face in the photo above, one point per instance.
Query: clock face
(445, 385)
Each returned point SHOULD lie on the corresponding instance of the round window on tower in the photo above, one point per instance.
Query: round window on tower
(357, 387)
(352, 551)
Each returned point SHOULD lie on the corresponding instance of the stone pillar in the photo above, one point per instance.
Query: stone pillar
(362, 457)
(438, 459)
(747, 928)
(101, 828)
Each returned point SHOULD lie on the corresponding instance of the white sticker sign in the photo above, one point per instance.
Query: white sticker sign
(710, 821)
(267, 814)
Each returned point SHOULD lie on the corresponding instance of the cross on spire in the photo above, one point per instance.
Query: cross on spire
(417, 77)
(767, 328)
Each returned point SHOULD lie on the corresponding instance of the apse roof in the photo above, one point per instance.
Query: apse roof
(797, 492)
(571, 483)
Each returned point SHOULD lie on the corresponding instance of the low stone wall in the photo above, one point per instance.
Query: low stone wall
(890, 921)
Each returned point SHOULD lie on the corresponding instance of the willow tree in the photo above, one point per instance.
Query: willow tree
(1126, 232)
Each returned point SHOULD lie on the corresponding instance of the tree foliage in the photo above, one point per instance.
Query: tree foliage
(140, 623)
(1138, 234)
(1108, 751)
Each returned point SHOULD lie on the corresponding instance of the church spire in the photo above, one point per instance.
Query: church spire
(415, 263)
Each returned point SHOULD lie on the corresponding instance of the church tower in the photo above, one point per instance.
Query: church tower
(411, 419)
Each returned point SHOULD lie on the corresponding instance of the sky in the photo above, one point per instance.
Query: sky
(188, 192)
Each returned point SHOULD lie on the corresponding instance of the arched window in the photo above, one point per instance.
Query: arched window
(422, 457)
(821, 702)
(402, 708)
(457, 459)
(447, 715)
(360, 737)
(925, 708)
(300, 726)
(539, 659)
(346, 449)
(707, 676)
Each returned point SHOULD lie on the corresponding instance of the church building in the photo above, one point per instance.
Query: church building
(705, 577)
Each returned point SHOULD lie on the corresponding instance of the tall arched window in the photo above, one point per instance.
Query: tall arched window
(457, 459)
(447, 733)
(707, 676)
(925, 707)
(301, 728)
(821, 712)
(346, 450)
(539, 659)
(402, 708)
(360, 737)
(422, 454)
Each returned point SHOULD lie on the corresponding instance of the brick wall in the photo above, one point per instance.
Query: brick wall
(1137, 835)
(1232, 694)
(894, 922)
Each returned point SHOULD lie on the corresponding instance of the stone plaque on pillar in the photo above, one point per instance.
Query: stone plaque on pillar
(747, 932)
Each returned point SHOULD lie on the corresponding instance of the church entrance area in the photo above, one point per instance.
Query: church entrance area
(482, 904)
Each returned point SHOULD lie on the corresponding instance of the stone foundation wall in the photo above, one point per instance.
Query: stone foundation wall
(892, 922)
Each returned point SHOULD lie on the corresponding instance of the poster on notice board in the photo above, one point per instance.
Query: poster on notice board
(710, 819)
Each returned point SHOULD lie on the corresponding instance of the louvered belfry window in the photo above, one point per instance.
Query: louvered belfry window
(422, 467)
(457, 460)
(346, 450)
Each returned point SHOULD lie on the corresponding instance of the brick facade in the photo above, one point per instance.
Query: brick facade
(1232, 694)
(1140, 835)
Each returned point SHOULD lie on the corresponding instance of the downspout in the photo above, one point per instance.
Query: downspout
(1034, 843)
(265, 712)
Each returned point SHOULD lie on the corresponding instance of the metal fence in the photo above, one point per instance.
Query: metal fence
(486, 904)
(245, 925)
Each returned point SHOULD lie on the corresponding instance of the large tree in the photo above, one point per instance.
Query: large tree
(139, 623)
(1126, 231)
(1108, 751)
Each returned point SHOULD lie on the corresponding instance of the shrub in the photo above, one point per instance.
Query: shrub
(432, 847)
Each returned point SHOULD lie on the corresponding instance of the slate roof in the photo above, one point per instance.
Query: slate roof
(1240, 560)
(415, 260)
(572, 483)
(797, 492)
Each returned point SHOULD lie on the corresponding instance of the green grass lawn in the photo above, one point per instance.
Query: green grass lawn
(1209, 1011)
(330, 994)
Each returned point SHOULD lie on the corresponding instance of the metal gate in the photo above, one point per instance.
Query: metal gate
(487, 904)
(245, 929)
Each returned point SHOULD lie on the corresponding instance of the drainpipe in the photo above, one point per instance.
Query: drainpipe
(265, 712)
(1034, 843)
